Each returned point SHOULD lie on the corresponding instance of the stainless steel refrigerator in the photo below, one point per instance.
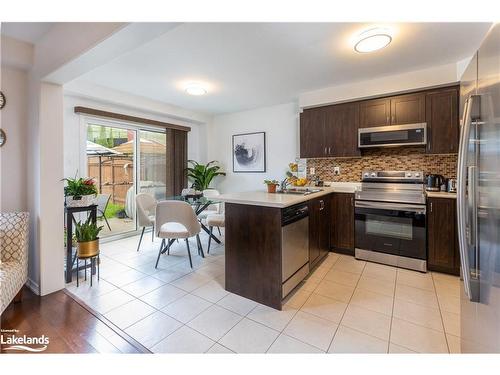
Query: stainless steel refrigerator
(478, 199)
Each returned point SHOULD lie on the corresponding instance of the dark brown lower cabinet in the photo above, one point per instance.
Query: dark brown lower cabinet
(442, 237)
(253, 253)
(342, 223)
(319, 229)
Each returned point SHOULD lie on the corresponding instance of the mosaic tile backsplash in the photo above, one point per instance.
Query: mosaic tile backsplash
(413, 159)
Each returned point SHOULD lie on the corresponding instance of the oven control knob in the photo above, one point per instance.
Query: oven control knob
(373, 175)
(366, 175)
(408, 174)
(417, 174)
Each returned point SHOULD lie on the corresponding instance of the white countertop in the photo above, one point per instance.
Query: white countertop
(263, 198)
(441, 194)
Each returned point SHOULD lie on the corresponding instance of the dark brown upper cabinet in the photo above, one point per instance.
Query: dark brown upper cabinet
(329, 131)
(375, 112)
(312, 133)
(442, 237)
(442, 121)
(341, 128)
(332, 131)
(396, 110)
(408, 109)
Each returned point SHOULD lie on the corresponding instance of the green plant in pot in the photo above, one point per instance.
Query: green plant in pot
(201, 175)
(80, 192)
(271, 185)
(87, 236)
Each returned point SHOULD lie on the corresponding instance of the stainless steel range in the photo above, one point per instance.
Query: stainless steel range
(390, 219)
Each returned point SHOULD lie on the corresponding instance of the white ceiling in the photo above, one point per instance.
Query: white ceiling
(249, 65)
(30, 32)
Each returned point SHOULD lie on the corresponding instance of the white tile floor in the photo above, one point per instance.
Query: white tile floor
(345, 306)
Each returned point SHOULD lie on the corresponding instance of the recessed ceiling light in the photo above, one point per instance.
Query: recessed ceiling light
(195, 89)
(372, 40)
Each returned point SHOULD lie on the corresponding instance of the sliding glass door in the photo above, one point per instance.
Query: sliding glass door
(111, 155)
(152, 176)
(124, 161)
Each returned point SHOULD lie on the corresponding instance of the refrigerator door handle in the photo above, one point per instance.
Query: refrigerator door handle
(461, 194)
(473, 227)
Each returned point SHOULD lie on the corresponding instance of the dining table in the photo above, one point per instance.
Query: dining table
(199, 204)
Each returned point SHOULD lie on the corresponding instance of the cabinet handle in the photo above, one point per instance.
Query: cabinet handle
(431, 207)
(321, 205)
(387, 121)
(352, 201)
(325, 151)
(329, 150)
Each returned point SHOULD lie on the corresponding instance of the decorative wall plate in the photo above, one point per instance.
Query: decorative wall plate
(3, 138)
(3, 100)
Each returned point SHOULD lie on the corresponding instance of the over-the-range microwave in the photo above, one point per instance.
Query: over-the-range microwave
(393, 135)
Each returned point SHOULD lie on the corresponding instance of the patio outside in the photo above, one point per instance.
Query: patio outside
(111, 162)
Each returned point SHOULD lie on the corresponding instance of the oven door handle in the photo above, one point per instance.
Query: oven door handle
(391, 206)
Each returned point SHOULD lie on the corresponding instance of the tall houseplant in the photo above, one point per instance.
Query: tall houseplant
(87, 236)
(201, 175)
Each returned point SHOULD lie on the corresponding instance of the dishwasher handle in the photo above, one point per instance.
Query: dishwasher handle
(292, 214)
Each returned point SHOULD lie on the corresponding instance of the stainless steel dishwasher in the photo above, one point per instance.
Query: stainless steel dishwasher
(294, 246)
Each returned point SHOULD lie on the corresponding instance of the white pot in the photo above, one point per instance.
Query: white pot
(81, 201)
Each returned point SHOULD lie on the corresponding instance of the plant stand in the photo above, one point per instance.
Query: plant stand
(70, 221)
(94, 260)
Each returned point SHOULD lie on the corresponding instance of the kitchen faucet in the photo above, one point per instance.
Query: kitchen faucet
(284, 184)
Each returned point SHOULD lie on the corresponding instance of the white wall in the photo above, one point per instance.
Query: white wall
(44, 150)
(75, 135)
(16, 53)
(14, 121)
(33, 180)
(435, 76)
(51, 208)
(280, 123)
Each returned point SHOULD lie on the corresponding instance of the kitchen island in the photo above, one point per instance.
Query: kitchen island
(259, 247)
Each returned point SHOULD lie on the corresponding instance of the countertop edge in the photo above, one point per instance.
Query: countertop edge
(440, 194)
(294, 199)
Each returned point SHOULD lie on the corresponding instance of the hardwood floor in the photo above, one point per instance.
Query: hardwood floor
(70, 327)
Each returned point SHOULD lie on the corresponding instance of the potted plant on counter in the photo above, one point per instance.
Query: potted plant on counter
(271, 185)
(87, 236)
(80, 192)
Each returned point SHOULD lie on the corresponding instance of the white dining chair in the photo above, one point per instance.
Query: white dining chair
(213, 208)
(146, 206)
(176, 220)
(214, 220)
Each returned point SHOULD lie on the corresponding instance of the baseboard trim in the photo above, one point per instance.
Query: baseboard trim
(340, 250)
(33, 286)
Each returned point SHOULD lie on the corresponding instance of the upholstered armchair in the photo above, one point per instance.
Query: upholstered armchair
(13, 255)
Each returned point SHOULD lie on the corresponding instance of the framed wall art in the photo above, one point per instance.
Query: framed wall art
(249, 153)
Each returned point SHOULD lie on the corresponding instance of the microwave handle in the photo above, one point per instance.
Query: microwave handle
(427, 136)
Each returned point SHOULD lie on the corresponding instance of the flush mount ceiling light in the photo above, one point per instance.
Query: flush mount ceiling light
(195, 89)
(372, 40)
